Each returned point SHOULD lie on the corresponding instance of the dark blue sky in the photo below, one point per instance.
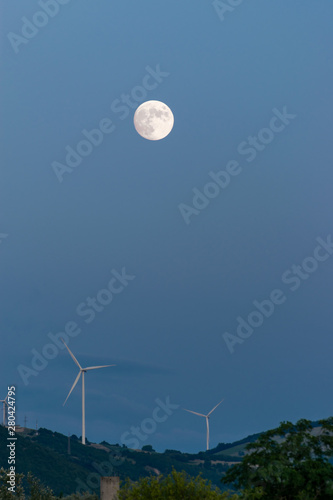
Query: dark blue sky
(122, 206)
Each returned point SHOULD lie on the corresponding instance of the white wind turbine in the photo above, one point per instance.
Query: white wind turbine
(4, 403)
(81, 372)
(207, 419)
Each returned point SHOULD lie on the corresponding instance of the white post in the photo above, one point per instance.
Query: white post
(207, 420)
(83, 413)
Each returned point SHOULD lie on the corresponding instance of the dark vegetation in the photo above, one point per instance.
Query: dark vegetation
(45, 456)
(292, 462)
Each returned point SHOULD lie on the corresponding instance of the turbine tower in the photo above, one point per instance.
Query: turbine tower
(81, 372)
(4, 403)
(207, 419)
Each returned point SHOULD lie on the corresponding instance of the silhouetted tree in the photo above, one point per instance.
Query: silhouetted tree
(287, 463)
(175, 486)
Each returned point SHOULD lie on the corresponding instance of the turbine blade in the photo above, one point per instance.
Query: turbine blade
(73, 357)
(195, 413)
(75, 382)
(211, 411)
(94, 367)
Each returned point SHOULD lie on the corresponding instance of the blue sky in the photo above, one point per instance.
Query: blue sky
(225, 81)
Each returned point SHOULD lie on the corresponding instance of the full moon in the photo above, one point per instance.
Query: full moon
(153, 120)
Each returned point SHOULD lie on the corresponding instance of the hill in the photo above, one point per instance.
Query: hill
(45, 454)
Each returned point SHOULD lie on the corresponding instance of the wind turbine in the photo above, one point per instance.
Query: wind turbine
(207, 419)
(4, 403)
(81, 372)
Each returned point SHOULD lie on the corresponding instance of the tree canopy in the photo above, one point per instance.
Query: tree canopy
(287, 463)
(175, 486)
(35, 490)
